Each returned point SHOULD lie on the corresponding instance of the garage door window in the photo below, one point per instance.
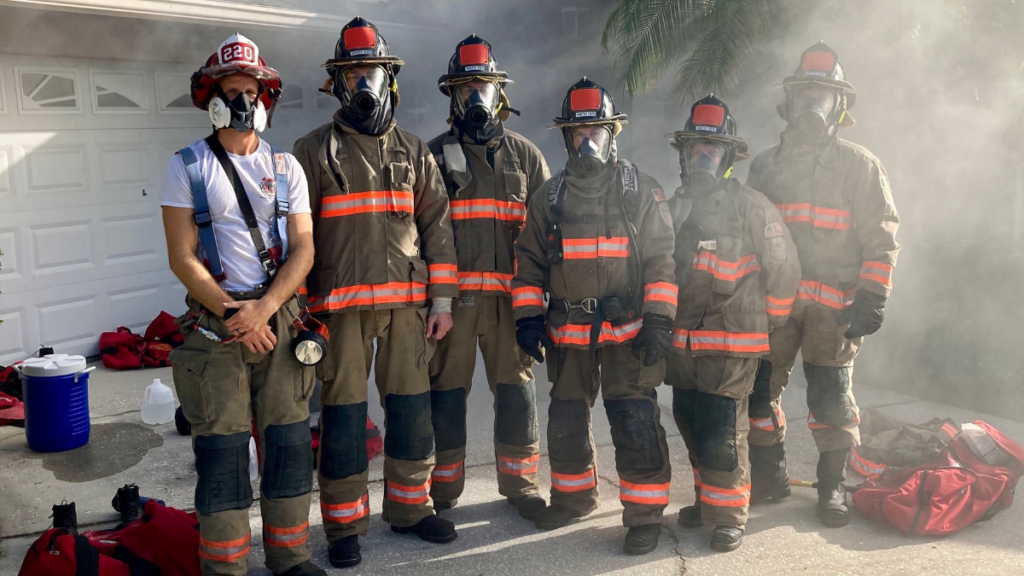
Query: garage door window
(118, 92)
(47, 91)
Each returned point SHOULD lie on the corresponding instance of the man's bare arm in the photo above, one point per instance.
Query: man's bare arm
(182, 240)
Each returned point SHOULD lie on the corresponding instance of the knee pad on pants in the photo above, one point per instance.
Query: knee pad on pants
(515, 415)
(410, 432)
(223, 466)
(635, 435)
(714, 429)
(287, 461)
(683, 404)
(448, 414)
(569, 431)
(827, 398)
(343, 441)
(761, 397)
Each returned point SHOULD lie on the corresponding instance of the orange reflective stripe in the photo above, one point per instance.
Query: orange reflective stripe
(527, 296)
(602, 247)
(580, 333)
(696, 478)
(725, 270)
(487, 281)
(679, 338)
(369, 295)
(725, 496)
(286, 537)
(366, 202)
(224, 551)
(661, 292)
(877, 272)
(656, 494)
(302, 289)
(734, 342)
(574, 482)
(408, 494)
(815, 425)
(448, 472)
(518, 466)
(347, 511)
(865, 467)
(817, 216)
(824, 294)
(777, 421)
(778, 306)
(443, 273)
(490, 209)
(950, 430)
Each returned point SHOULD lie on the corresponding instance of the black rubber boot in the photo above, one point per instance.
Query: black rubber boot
(432, 529)
(642, 539)
(768, 477)
(307, 568)
(181, 423)
(64, 516)
(344, 553)
(832, 509)
(689, 517)
(529, 506)
(726, 538)
(440, 505)
(127, 502)
(555, 516)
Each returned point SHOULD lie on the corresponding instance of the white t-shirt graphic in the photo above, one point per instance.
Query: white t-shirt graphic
(237, 251)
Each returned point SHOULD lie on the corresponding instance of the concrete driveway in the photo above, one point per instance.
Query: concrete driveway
(781, 538)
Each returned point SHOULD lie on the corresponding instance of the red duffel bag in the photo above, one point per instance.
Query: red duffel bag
(947, 494)
(164, 542)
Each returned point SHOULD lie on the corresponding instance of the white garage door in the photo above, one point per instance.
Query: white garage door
(83, 147)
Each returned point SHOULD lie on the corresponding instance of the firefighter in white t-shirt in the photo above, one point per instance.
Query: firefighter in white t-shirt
(239, 237)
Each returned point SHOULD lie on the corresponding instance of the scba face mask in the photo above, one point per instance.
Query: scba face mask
(243, 113)
(476, 105)
(364, 91)
(590, 147)
(813, 109)
(702, 163)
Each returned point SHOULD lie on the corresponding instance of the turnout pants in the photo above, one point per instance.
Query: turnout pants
(709, 402)
(403, 354)
(221, 387)
(630, 400)
(828, 365)
(489, 321)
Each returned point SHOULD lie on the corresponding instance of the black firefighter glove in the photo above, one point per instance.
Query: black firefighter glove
(865, 315)
(655, 338)
(531, 334)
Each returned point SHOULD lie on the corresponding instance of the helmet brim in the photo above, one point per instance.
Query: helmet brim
(795, 80)
(363, 60)
(565, 122)
(738, 144)
(496, 76)
(262, 73)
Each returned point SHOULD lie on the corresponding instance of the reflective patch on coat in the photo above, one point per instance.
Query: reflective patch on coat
(465, 301)
(772, 230)
(776, 246)
(659, 194)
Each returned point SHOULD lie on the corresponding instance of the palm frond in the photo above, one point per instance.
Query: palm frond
(648, 39)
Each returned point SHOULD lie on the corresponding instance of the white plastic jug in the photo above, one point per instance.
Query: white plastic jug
(157, 404)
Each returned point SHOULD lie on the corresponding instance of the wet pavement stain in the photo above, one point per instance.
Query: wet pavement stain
(112, 448)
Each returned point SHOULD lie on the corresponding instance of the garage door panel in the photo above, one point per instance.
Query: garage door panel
(5, 173)
(127, 164)
(61, 247)
(56, 167)
(88, 243)
(69, 322)
(9, 245)
(14, 331)
(71, 318)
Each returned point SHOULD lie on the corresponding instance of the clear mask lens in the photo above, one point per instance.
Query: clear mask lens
(592, 141)
(478, 93)
(703, 156)
(372, 79)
